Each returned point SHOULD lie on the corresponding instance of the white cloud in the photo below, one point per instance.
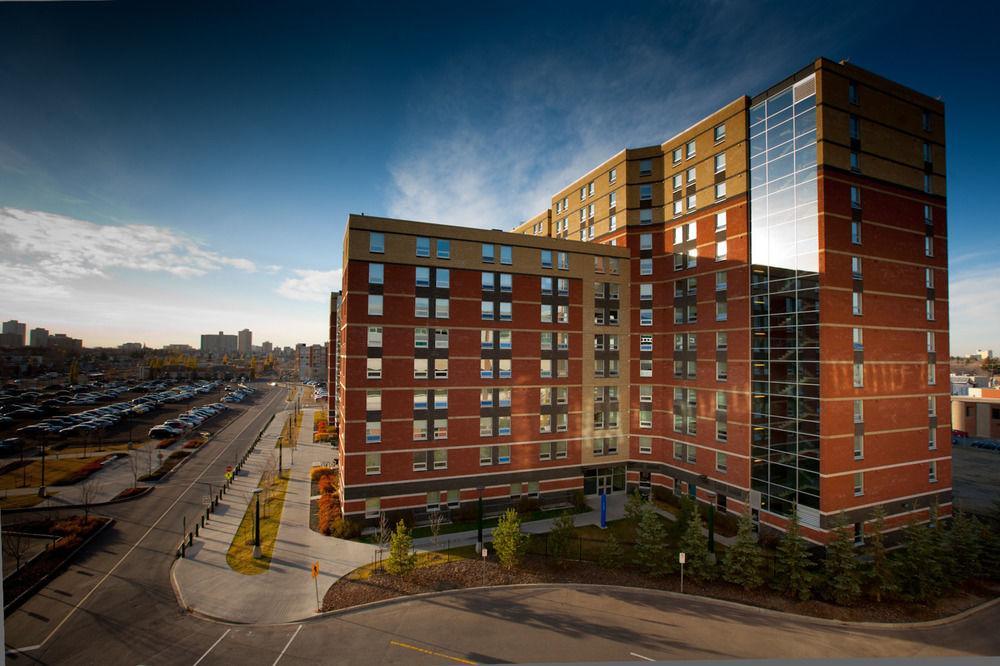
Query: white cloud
(310, 285)
(974, 313)
(46, 250)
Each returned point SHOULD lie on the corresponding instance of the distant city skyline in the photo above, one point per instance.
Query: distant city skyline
(203, 182)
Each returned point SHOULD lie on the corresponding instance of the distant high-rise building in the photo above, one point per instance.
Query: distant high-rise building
(244, 343)
(218, 344)
(266, 348)
(178, 348)
(39, 337)
(131, 346)
(63, 341)
(14, 328)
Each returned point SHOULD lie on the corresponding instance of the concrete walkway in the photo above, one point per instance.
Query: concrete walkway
(286, 592)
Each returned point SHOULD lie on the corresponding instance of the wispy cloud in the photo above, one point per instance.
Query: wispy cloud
(42, 253)
(502, 150)
(973, 311)
(310, 285)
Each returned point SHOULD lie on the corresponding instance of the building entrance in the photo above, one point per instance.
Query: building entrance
(604, 481)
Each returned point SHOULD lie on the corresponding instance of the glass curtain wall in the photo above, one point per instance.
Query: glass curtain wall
(785, 300)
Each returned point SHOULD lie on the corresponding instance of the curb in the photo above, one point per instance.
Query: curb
(17, 601)
(32, 509)
(373, 605)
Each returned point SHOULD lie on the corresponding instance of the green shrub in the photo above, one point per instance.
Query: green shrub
(743, 562)
(508, 540)
(792, 575)
(694, 544)
(560, 537)
(841, 577)
(344, 528)
(401, 558)
(611, 556)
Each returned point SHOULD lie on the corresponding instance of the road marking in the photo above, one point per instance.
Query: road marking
(432, 653)
(286, 646)
(217, 641)
(635, 654)
(141, 539)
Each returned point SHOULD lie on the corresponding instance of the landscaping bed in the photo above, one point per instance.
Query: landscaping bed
(240, 554)
(166, 443)
(71, 533)
(58, 472)
(173, 460)
(465, 573)
(82, 472)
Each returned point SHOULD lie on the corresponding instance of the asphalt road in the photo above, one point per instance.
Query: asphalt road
(116, 606)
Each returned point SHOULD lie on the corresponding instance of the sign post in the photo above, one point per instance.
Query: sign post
(484, 567)
(315, 577)
(681, 558)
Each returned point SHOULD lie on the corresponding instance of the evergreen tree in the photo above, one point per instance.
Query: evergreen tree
(634, 506)
(651, 551)
(560, 536)
(401, 560)
(792, 575)
(917, 567)
(611, 555)
(508, 540)
(842, 578)
(744, 560)
(879, 576)
(966, 545)
(694, 544)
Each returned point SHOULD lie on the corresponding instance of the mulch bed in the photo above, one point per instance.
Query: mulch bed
(83, 472)
(460, 574)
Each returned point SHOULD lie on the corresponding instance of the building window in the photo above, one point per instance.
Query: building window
(929, 278)
(721, 401)
(928, 246)
(422, 276)
(930, 341)
(859, 484)
(859, 340)
(505, 312)
(721, 462)
(678, 207)
(376, 273)
(421, 307)
(859, 411)
(373, 463)
(859, 375)
(931, 374)
(852, 92)
(442, 278)
(719, 133)
(855, 127)
(374, 368)
(855, 197)
(930, 309)
(645, 167)
(931, 439)
(646, 445)
(419, 368)
(856, 232)
(372, 507)
(859, 447)
(690, 149)
(645, 192)
(440, 428)
(489, 253)
(485, 456)
(721, 250)
(692, 202)
(721, 311)
(374, 336)
(420, 431)
(720, 191)
(855, 162)
(692, 454)
(423, 246)
(376, 242)
(441, 308)
(932, 471)
(721, 341)
(720, 163)
(421, 337)
(373, 432)
(375, 305)
(721, 370)
(678, 181)
(677, 154)
(856, 272)
(678, 450)
(613, 175)
(443, 249)
(546, 257)
(856, 303)
(646, 266)
(506, 255)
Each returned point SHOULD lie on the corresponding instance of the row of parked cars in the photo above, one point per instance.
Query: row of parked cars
(100, 418)
(195, 417)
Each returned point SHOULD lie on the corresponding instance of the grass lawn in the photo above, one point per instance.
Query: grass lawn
(423, 560)
(289, 436)
(452, 528)
(55, 472)
(22, 501)
(240, 556)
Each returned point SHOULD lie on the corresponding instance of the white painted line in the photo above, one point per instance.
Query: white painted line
(217, 641)
(640, 656)
(140, 540)
(286, 646)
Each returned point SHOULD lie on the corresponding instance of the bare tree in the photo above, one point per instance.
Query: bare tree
(133, 464)
(437, 520)
(89, 489)
(15, 546)
(149, 462)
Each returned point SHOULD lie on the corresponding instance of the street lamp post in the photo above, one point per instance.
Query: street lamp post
(256, 525)
(41, 487)
(479, 521)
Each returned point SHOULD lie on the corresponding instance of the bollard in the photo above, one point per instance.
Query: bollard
(196, 526)
(183, 548)
(202, 521)
(191, 537)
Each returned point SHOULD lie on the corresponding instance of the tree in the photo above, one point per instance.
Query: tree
(918, 569)
(401, 560)
(436, 521)
(508, 540)
(612, 555)
(634, 506)
(744, 560)
(15, 546)
(560, 536)
(792, 575)
(879, 577)
(133, 465)
(842, 579)
(651, 544)
(89, 489)
(694, 544)
(965, 545)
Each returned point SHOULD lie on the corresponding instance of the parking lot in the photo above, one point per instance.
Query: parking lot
(108, 418)
(975, 478)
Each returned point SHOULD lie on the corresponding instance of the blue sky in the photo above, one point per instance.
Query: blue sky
(168, 170)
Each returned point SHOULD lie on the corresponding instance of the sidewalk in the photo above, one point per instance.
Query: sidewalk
(286, 591)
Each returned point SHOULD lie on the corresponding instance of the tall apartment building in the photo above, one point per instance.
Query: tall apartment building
(13, 333)
(218, 344)
(244, 342)
(38, 337)
(779, 308)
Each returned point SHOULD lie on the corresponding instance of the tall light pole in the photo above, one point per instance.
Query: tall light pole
(479, 522)
(41, 487)
(256, 525)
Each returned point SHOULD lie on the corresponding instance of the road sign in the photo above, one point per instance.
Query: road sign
(315, 569)
(484, 553)
(682, 558)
